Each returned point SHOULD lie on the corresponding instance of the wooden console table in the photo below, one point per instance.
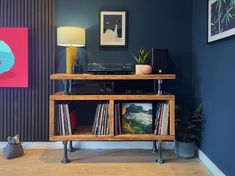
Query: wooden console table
(81, 135)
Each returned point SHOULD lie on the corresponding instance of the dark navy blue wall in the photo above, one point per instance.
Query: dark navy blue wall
(213, 72)
(152, 24)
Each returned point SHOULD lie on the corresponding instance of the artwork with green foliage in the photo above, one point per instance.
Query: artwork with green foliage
(221, 19)
(137, 118)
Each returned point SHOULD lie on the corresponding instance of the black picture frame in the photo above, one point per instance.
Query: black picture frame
(115, 33)
(225, 29)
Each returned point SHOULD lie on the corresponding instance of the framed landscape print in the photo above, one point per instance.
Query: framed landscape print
(137, 118)
(113, 28)
(14, 57)
(221, 19)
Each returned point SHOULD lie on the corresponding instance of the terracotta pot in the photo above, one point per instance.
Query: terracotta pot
(143, 69)
(146, 69)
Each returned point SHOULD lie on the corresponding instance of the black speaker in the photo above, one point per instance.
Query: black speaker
(158, 60)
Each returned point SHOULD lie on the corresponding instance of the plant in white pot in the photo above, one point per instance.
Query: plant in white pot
(188, 130)
(141, 67)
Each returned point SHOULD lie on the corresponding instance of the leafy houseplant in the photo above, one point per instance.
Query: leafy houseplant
(141, 66)
(188, 130)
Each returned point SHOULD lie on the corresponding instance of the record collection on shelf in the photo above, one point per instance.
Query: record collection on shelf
(66, 120)
(101, 121)
(129, 118)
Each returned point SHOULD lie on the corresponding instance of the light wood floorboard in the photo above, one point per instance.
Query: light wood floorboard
(100, 163)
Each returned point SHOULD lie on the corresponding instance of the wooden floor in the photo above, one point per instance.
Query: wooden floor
(100, 163)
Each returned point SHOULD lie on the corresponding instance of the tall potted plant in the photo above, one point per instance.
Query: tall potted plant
(188, 130)
(141, 67)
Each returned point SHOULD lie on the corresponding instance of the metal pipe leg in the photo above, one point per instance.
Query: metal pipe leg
(65, 158)
(159, 153)
(154, 147)
(159, 92)
(71, 149)
(66, 87)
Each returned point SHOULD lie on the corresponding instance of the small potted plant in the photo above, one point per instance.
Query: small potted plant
(188, 130)
(141, 67)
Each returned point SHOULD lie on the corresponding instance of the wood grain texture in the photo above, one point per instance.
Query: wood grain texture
(52, 118)
(111, 117)
(121, 137)
(61, 96)
(79, 136)
(63, 76)
(112, 98)
(172, 116)
(100, 163)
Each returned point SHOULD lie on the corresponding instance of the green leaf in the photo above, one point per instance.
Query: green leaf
(233, 3)
(146, 54)
(142, 56)
(227, 16)
(137, 60)
(219, 5)
(198, 109)
(191, 126)
(196, 120)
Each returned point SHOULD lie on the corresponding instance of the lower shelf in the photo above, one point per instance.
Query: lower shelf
(121, 137)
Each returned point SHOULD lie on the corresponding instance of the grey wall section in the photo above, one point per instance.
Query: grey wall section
(213, 77)
(26, 111)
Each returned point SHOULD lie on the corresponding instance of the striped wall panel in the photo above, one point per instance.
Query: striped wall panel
(26, 111)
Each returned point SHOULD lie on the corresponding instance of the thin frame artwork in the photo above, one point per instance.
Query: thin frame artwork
(113, 28)
(221, 19)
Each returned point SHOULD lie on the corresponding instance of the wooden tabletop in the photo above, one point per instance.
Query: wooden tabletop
(62, 96)
(63, 76)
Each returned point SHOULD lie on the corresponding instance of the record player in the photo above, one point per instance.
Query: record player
(110, 68)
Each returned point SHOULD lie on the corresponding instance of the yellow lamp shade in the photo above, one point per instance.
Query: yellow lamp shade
(71, 36)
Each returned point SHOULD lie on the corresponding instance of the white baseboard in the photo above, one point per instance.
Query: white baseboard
(93, 145)
(209, 164)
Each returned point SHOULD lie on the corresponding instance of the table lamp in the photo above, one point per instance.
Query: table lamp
(71, 38)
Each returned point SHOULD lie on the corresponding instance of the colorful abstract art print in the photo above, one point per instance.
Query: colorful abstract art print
(221, 19)
(14, 57)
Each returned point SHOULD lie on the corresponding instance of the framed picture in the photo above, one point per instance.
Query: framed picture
(221, 19)
(137, 118)
(14, 57)
(113, 28)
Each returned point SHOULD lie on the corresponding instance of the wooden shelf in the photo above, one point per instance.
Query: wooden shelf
(121, 137)
(84, 134)
(83, 130)
(61, 96)
(63, 76)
